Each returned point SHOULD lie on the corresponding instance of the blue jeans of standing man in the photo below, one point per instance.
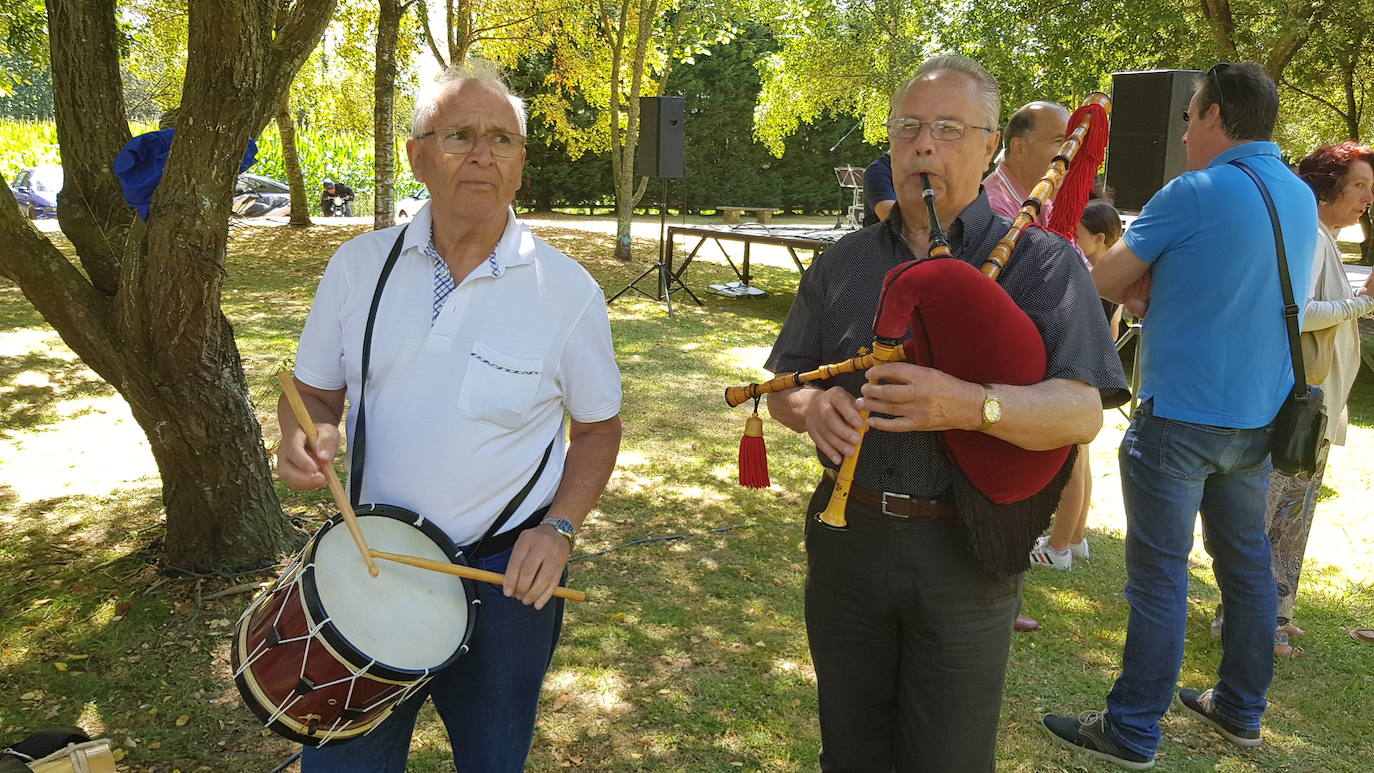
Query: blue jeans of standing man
(1171, 470)
(488, 698)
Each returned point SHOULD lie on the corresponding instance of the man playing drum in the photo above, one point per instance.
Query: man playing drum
(484, 338)
(908, 632)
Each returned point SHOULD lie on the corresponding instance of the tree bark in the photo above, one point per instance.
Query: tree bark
(291, 159)
(148, 319)
(92, 127)
(625, 142)
(384, 114)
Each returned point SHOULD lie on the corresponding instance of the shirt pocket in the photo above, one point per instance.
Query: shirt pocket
(498, 388)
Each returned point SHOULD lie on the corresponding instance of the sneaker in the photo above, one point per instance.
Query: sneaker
(1080, 549)
(1088, 734)
(1199, 704)
(1044, 555)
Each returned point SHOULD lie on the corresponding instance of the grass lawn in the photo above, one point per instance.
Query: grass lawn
(691, 656)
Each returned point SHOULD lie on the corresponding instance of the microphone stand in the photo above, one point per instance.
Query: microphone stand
(839, 202)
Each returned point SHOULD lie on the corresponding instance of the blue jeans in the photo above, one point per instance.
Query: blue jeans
(1171, 470)
(488, 698)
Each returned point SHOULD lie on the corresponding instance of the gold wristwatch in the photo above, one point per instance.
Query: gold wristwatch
(992, 409)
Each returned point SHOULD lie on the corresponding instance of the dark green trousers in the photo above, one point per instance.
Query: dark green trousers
(910, 639)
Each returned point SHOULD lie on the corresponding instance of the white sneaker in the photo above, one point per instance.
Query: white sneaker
(1080, 549)
(1044, 555)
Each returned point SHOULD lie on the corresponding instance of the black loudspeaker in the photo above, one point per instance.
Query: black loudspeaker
(661, 122)
(1146, 149)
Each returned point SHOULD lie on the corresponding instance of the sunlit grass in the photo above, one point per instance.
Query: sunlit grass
(692, 655)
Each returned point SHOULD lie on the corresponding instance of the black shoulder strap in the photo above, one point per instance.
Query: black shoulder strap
(1290, 307)
(357, 445)
(358, 442)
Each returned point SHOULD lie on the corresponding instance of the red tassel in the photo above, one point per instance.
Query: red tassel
(1078, 183)
(753, 457)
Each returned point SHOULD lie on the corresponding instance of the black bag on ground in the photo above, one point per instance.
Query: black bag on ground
(37, 746)
(1300, 425)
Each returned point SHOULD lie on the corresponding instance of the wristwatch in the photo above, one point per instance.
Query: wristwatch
(564, 527)
(992, 409)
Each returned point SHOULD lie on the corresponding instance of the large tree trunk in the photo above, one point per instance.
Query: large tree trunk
(148, 319)
(291, 159)
(383, 113)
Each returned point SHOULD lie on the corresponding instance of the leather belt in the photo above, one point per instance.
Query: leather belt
(898, 505)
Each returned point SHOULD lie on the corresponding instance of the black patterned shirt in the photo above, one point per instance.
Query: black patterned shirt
(832, 316)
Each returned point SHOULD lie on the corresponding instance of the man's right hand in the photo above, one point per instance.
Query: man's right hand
(300, 469)
(832, 421)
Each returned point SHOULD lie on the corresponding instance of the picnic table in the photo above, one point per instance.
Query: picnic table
(733, 214)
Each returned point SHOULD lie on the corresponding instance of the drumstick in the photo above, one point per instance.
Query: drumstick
(480, 575)
(288, 385)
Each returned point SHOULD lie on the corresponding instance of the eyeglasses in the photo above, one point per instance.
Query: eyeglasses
(1215, 75)
(946, 129)
(460, 140)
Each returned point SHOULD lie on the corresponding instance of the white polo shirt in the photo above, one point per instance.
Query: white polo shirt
(459, 412)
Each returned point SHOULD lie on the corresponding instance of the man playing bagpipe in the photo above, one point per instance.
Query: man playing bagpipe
(909, 611)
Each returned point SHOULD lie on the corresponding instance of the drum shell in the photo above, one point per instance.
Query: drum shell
(312, 672)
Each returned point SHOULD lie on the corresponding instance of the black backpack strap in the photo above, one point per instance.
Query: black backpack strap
(1290, 307)
(357, 444)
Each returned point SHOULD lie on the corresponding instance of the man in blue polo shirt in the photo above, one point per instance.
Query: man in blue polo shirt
(1214, 371)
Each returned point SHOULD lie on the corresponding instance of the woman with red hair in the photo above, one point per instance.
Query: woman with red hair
(1342, 177)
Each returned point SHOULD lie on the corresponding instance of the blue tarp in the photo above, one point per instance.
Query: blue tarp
(139, 166)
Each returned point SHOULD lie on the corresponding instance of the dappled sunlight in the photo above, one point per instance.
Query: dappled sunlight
(691, 654)
(601, 691)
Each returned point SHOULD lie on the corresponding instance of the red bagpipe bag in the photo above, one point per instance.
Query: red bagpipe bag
(963, 323)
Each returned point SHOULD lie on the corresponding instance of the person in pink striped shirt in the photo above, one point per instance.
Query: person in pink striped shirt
(1033, 137)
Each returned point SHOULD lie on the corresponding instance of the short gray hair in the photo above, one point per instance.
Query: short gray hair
(988, 89)
(487, 73)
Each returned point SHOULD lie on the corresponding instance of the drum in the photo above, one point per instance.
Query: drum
(328, 651)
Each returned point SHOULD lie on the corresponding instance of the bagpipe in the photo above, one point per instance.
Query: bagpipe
(1004, 494)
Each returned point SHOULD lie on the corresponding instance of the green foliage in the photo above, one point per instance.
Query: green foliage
(26, 143)
(331, 155)
(154, 65)
(23, 43)
(29, 98)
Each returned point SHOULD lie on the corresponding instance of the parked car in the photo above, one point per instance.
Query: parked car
(258, 196)
(408, 206)
(36, 189)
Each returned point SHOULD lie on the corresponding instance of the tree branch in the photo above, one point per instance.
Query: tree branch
(298, 34)
(422, 11)
(92, 127)
(56, 288)
(1314, 97)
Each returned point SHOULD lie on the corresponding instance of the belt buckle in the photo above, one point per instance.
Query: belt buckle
(889, 513)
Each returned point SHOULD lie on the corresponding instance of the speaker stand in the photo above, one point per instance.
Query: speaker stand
(667, 282)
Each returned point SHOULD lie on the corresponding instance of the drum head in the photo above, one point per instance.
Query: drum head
(406, 618)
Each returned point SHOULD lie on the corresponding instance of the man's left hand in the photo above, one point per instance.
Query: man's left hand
(536, 565)
(920, 398)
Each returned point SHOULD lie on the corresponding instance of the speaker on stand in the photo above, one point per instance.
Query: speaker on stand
(659, 154)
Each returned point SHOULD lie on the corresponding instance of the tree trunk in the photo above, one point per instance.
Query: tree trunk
(383, 114)
(149, 320)
(291, 159)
